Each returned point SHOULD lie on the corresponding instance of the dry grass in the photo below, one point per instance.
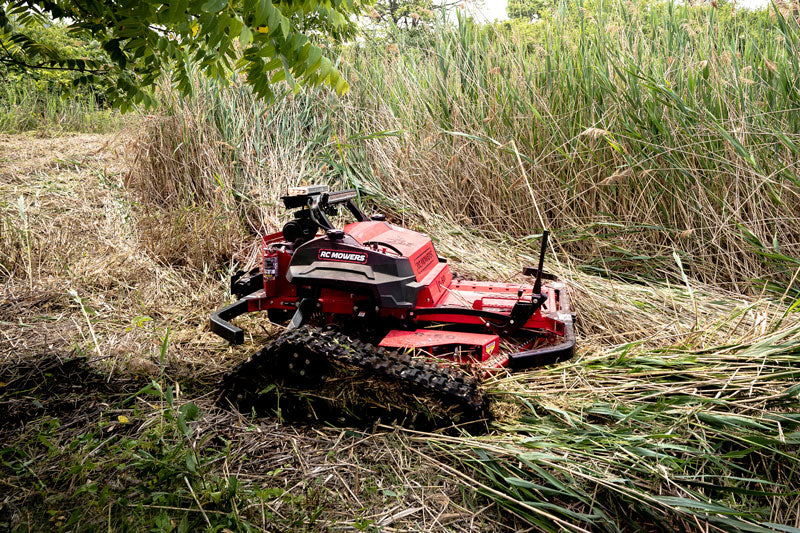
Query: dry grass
(95, 286)
(181, 202)
(180, 167)
(126, 297)
(85, 250)
(628, 129)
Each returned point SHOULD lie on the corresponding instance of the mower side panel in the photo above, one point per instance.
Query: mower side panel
(486, 345)
(435, 285)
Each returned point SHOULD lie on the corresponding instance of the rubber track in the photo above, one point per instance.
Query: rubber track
(304, 361)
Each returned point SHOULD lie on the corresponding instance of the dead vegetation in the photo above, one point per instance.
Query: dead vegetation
(104, 344)
(107, 365)
(675, 379)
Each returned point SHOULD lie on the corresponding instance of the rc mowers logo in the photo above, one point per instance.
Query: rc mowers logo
(339, 255)
(424, 261)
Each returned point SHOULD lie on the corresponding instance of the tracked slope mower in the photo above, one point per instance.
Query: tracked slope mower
(377, 325)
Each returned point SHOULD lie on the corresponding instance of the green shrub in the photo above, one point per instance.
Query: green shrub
(42, 99)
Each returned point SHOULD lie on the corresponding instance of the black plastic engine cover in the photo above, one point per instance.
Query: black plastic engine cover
(345, 265)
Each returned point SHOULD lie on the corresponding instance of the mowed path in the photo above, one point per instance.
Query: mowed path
(71, 263)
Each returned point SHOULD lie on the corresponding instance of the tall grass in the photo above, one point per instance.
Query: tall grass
(631, 129)
(678, 438)
(26, 106)
(650, 127)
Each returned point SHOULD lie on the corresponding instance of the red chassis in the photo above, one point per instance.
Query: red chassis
(341, 275)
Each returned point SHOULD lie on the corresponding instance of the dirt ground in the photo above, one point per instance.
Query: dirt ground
(104, 348)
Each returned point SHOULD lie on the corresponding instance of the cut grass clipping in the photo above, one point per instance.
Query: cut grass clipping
(673, 438)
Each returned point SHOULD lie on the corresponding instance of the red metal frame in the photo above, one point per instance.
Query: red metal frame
(467, 304)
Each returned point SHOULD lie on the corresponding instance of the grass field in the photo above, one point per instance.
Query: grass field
(108, 377)
(658, 142)
(28, 107)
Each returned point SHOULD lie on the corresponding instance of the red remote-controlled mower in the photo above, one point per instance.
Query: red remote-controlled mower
(377, 326)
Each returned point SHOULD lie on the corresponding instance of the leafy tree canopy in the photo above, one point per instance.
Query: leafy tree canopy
(409, 14)
(528, 9)
(402, 13)
(145, 40)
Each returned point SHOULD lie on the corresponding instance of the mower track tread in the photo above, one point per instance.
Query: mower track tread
(308, 360)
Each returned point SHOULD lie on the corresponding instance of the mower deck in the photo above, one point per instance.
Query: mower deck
(475, 303)
(470, 303)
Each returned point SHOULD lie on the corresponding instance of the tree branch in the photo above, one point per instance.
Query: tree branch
(9, 59)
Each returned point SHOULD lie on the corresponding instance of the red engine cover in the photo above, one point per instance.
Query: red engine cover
(416, 246)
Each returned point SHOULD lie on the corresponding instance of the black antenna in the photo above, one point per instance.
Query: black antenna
(537, 287)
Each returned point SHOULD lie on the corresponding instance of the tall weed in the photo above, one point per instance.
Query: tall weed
(633, 129)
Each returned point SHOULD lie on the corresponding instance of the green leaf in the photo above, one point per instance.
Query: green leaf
(190, 411)
(177, 10)
(191, 462)
(214, 6)
(280, 75)
(285, 26)
(263, 12)
(314, 54)
(246, 36)
(689, 504)
(182, 427)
